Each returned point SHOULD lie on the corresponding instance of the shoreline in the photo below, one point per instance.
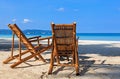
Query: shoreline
(10, 38)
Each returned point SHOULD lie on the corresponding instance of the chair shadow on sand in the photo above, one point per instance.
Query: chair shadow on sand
(30, 63)
(101, 49)
(5, 45)
(84, 64)
(106, 50)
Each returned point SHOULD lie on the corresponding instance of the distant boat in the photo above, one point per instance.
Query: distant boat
(43, 33)
(28, 33)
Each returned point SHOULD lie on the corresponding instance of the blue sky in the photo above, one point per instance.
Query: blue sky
(92, 16)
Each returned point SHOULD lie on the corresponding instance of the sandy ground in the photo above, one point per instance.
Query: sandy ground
(98, 60)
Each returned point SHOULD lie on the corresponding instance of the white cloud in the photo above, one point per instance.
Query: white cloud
(14, 20)
(61, 9)
(26, 20)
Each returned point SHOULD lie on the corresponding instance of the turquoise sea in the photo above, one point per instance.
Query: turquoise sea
(82, 36)
(100, 36)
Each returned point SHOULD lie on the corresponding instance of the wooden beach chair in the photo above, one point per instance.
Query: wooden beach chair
(34, 50)
(65, 45)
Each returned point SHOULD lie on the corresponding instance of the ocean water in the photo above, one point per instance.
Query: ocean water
(99, 36)
(82, 36)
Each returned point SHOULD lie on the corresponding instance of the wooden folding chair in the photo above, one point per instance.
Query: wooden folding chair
(65, 45)
(35, 50)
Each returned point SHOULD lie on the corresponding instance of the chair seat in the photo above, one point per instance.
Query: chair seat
(65, 52)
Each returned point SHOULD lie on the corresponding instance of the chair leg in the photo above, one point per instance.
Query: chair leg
(36, 58)
(23, 60)
(73, 61)
(77, 64)
(77, 70)
(58, 59)
(41, 58)
(67, 58)
(51, 64)
(7, 60)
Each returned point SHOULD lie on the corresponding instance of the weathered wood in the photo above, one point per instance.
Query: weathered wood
(64, 44)
(34, 50)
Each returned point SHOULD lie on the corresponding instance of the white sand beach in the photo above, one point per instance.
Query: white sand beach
(98, 60)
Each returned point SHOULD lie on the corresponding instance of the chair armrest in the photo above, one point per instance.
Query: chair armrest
(46, 38)
(38, 39)
(77, 43)
(77, 38)
(33, 39)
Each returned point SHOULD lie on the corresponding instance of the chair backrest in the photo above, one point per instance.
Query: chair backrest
(64, 38)
(16, 30)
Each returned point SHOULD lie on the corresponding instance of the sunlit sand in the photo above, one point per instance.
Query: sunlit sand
(98, 60)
